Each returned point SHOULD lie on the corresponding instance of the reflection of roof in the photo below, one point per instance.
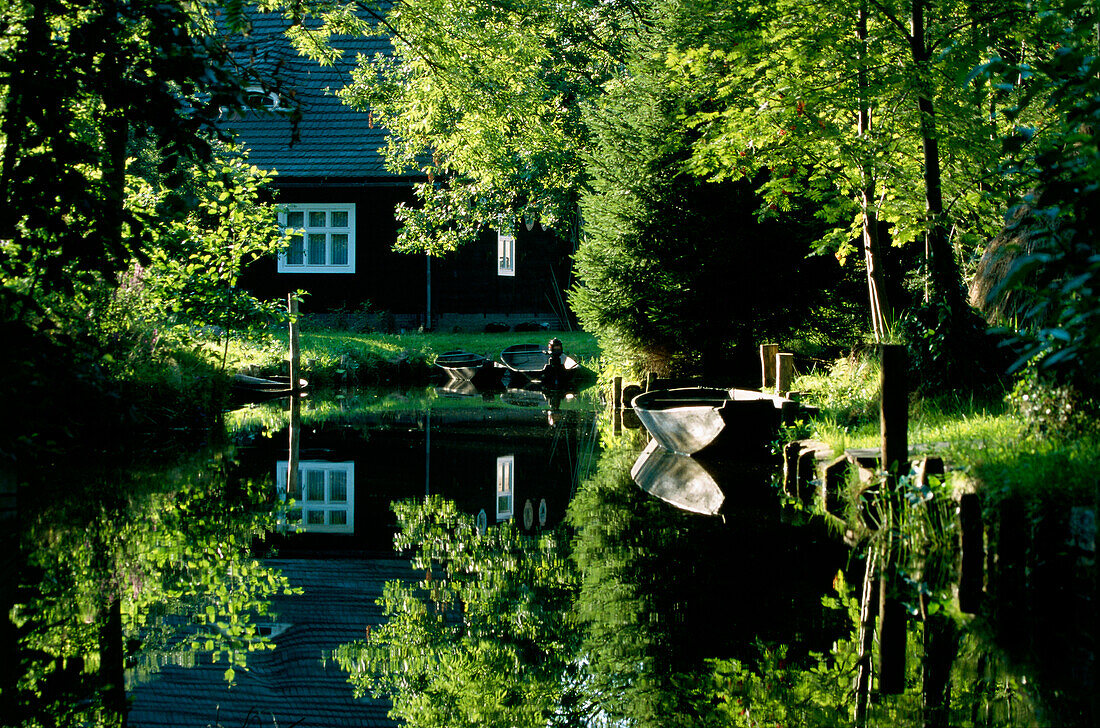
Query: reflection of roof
(296, 683)
(331, 140)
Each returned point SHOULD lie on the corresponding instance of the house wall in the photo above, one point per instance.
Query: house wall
(465, 287)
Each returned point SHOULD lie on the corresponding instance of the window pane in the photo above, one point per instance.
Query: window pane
(316, 219)
(315, 485)
(294, 516)
(338, 219)
(338, 486)
(337, 518)
(294, 219)
(296, 251)
(315, 517)
(339, 248)
(317, 248)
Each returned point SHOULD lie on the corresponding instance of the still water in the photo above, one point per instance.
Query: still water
(447, 558)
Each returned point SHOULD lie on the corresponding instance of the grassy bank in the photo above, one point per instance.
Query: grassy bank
(986, 441)
(334, 358)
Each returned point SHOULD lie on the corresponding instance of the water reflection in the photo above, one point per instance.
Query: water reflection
(533, 583)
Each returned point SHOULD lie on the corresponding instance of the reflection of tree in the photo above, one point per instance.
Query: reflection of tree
(483, 639)
(146, 574)
(639, 661)
(782, 646)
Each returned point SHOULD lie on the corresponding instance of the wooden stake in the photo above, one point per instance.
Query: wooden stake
(972, 548)
(767, 365)
(617, 393)
(894, 410)
(292, 309)
(784, 373)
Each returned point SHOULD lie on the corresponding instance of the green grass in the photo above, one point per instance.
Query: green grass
(983, 440)
(334, 357)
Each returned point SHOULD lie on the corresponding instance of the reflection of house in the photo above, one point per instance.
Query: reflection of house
(338, 192)
(297, 683)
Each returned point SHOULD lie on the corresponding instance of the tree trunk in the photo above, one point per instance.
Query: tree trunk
(876, 287)
(944, 277)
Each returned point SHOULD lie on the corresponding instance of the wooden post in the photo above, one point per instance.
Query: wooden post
(784, 373)
(292, 309)
(295, 430)
(767, 365)
(892, 619)
(894, 410)
(972, 548)
(617, 393)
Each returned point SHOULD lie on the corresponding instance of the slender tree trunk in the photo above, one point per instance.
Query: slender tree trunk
(944, 277)
(876, 287)
(115, 136)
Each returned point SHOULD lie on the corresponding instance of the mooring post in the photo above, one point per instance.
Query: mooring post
(767, 365)
(784, 373)
(972, 553)
(894, 411)
(292, 309)
(617, 393)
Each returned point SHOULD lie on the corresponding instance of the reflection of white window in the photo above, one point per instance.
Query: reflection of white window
(506, 472)
(322, 238)
(257, 98)
(324, 499)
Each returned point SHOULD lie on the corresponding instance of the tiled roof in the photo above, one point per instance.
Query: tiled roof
(297, 683)
(333, 140)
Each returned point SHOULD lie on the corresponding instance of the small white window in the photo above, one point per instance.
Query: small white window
(322, 238)
(506, 475)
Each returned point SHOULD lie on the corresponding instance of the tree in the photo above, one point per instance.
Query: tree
(196, 262)
(864, 108)
(483, 99)
(1053, 267)
(116, 71)
(484, 638)
(670, 265)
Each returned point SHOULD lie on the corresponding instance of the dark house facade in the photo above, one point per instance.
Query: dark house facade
(333, 185)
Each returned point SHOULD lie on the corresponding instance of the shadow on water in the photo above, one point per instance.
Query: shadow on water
(440, 557)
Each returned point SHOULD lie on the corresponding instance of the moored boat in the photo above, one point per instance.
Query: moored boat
(531, 360)
(467, 366)
(692, 420)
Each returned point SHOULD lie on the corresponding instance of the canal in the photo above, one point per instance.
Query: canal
(443, 557)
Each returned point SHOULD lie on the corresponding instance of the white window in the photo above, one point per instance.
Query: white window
(506, 476)
(324, 498)
(322, 238)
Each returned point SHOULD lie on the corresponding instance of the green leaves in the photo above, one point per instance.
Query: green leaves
(482, 639)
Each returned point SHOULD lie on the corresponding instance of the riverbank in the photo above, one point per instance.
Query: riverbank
(343, 358)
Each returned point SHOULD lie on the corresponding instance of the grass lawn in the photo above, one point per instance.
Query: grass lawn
(329, 354)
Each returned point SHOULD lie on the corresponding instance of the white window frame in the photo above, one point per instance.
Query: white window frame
(327, 506)
(506, 487)
(328, 230)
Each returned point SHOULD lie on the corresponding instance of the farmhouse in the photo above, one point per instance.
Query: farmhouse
(333, 184)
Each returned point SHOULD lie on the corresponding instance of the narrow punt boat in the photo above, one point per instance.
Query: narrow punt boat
(465, 365)
(530, 360)
(694, 420)
(252, 389)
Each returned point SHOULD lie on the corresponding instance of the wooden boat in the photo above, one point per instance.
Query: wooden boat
(463, 365)
(246, 388)
(678, 480)
(529, 361)
(693, 420)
